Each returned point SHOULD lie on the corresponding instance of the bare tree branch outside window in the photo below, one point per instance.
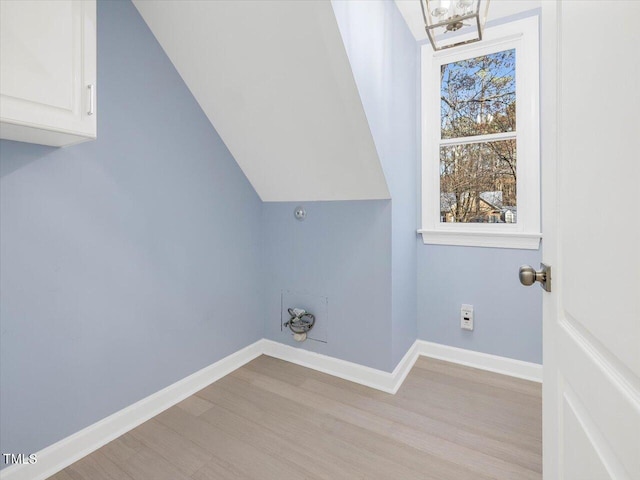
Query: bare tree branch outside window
(478, 180)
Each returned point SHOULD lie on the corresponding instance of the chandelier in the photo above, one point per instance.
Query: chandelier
(450, 23)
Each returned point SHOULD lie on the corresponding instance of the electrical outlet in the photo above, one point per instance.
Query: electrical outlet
(466, 317)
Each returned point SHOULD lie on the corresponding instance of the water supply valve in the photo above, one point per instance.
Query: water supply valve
(300, 323)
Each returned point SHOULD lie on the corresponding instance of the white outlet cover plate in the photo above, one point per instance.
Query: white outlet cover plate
(466, 317)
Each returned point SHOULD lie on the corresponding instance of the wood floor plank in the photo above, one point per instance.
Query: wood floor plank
(97, 467)
(122, 448)
(274, 420)
(194, 405)
(62, 475)
(319, 433)
(178, 449)
(470, 439)
(216, 470)
(148, 464)
(511, 384)
(230, 452)
(420, 440)
(415, 397)
(276, 443)
(461, 410)
(477, 387)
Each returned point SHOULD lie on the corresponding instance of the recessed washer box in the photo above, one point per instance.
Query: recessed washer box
(318, 305)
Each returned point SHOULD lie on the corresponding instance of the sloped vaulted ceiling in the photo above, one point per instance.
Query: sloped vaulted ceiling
(275, 81)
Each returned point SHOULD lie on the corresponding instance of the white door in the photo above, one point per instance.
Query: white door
(591, 227)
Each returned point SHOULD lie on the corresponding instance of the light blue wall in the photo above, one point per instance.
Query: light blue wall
(133, 261)
(384, 60)
(128, 263)
(508, 316)
(341, 251)
(361, 255)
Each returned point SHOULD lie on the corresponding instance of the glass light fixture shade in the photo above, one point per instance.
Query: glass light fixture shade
(450, 23)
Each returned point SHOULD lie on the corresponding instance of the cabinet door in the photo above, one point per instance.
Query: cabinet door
(48, 74)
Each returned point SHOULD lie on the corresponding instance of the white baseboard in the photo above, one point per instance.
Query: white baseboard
(483, 361)
(390, 382)
(379, 379)
(61, 454)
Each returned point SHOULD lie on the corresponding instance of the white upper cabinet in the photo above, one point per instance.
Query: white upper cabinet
(48, 71)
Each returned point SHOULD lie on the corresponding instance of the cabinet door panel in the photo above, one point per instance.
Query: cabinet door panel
(48, 61)
(37, 51)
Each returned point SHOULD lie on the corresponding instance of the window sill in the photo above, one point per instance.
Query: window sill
(523, 241)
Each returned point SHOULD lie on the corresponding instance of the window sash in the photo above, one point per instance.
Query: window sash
(491, 137)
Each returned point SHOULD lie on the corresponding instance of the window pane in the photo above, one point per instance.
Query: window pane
(478, 182)
(478, 95)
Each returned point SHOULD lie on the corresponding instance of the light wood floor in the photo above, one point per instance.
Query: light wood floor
(274, 420)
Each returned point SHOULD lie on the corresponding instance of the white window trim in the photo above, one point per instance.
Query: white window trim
(525, 234)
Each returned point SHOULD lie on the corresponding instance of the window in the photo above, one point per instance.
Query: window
(480, 136)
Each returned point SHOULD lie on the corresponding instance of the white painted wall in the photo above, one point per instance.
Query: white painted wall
(275, 81)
